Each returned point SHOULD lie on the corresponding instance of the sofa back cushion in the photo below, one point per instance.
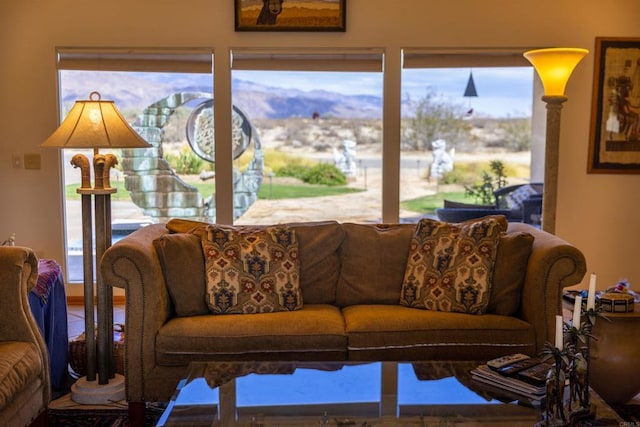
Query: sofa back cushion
(374, 258)
(318, 244)
(509, 273)
(182, 264)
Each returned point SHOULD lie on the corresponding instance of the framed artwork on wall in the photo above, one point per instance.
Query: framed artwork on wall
(614, 141)
(290, 15)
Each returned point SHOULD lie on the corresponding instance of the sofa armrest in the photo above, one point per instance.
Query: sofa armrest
(132, 264)
(553, 265)
(18, 275)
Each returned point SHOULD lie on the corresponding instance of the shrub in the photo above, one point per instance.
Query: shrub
(483, 191)
(185, 163)
(325, 174)
(293, 170)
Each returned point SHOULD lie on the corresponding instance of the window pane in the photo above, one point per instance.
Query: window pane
(153, 184)
(455, 121)
(321, 139)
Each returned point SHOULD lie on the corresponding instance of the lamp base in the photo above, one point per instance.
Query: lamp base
(91, 393)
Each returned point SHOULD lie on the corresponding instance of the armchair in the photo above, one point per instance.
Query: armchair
(25, 388)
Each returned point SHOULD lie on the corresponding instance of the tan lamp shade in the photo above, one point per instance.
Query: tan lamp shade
(554, 66)
(95, 123)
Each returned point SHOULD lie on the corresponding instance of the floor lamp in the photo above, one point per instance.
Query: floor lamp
(554, 66)
(96, 124)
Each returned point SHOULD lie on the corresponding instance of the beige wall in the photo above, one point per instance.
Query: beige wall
(597, 213)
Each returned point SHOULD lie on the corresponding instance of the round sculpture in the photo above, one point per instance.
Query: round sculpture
(200, 133)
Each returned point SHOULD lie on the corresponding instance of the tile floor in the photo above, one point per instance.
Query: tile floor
(75, 326)
(75, 319)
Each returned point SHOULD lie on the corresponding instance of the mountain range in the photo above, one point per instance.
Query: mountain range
(139, 90)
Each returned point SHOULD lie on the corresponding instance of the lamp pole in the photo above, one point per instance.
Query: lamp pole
(551, 161)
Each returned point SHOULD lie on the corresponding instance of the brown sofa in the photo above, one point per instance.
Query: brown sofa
(24, 364)
(350, 276)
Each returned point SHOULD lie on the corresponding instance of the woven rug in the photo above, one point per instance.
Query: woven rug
(97, 417)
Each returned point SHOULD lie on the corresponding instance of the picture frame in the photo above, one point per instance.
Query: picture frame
(614, 140)
(290, 15)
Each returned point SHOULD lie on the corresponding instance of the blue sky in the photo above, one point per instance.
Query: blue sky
(501, 91)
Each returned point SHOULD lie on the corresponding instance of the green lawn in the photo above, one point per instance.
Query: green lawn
(428, 204)
(266, 191)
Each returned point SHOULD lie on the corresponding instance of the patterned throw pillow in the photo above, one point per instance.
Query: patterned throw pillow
(251, 270)
(450, 266)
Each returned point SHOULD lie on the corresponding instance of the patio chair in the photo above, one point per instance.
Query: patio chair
(518, 203)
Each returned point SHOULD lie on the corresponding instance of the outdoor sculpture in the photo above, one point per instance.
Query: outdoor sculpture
(346, 159)
(159, 191)
(442, 160)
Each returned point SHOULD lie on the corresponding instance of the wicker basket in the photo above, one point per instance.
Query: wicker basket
(78, 352)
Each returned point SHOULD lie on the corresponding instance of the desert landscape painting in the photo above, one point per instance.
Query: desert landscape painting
(290, 15)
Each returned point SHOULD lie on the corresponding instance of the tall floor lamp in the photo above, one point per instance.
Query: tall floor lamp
(554, 66)
(96, 124)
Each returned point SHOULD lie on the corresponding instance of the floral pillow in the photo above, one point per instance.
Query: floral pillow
(450, 266)
(250, 270)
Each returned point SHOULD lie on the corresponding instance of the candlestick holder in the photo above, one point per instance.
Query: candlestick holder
(578, 406)
(567, 407)
(554, 413)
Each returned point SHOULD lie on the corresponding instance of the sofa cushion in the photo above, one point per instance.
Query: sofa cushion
(182, 265)
(20, 366)
(374, 258)
(450, 266)
(395, 332)
(318, 243)
(315, 332)
(251, 270)
(509, 273)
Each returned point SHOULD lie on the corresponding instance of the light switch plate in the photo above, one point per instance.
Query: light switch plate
(32, 161)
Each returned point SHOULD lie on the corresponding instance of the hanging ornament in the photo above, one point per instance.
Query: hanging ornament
(470, 92)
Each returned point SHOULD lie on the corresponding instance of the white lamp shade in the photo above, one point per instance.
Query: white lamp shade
(95, 124)
(554, 66)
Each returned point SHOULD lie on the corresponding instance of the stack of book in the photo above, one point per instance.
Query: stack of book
(515, 377)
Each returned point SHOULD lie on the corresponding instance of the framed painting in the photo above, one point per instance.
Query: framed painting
(614, 142)
(290, 15)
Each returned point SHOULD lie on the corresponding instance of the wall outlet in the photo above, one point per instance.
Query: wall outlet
(16, 160)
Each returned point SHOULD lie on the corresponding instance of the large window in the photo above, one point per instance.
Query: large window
(319, 119)
(305, 130)
(460, 112)
(157, 93)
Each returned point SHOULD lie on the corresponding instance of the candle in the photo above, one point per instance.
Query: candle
(591, 297)
(577, 308)
(559, 334)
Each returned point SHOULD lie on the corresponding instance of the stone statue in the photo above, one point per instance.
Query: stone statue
(346, 160)
(442, 160)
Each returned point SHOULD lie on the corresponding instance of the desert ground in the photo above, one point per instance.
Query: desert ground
(317, 141)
